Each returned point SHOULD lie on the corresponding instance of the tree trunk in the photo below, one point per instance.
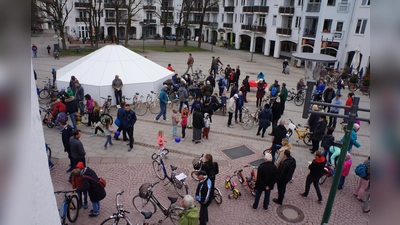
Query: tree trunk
(127, 30)
(97, 31)
(64, 46)
(201, 26)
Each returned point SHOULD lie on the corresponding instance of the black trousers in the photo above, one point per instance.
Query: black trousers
(283, 106)
(263, 131)
(315, 145)
(203, 215)
(281, 190)
(312, 180)
(230, 118)
(274, 124)
(130, 134)
(259, 102)
(332, 120)
(122, 128)
(118, 96)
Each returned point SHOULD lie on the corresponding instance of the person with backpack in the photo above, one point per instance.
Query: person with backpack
(264, 118)
(274, 90)
(221, 81)
(345, 171)
(363, 171)
(327, 142)
(283, 96)
(211, 169)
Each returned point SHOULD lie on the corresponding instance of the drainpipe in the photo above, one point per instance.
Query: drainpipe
(351, 20)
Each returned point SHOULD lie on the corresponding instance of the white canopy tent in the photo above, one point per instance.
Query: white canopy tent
(97, 70)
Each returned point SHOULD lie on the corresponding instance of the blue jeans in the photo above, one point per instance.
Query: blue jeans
(163, 112)
(50, 162)
(267, 193)
(34, 54)
(341, 181)
(327, 154)
(274, 148)
(221, 90)
(174, 128)
(73, 119)
(81, 108)
(345, 120)
(96, 207)
(108, 140)
(79, 193)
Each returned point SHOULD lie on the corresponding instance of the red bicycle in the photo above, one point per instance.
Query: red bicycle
(250, 182)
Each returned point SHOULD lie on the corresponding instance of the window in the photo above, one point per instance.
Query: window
(327, 26)
(361, 25)
(263, 2)
(298, 21)
(365, 2)
(339, 26)
(299, 2)
(241, 18)
(243, 2)
(274, 21)
(289, 22)
(331, 2)
(222, 17)
(149, 16)
(261, 20)
(235, 18)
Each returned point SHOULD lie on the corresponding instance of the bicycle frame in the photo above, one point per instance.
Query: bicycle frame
(251, 183)
(229, 184)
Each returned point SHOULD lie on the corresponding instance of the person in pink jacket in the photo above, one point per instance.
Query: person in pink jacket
(346, 169)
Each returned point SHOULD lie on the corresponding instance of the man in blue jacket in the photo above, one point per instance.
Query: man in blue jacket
(163, 104)
(128, 123)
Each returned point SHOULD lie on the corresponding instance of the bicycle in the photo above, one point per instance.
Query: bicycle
(198, 75)
(220, 70)
(139, 107)
(298, 97)
(250, 182)
(69, 207)
(303, 135)
(154, 105)
(146, 201)
(50, 123)
(249, 118)
(121, 214)
(366, 205)
(48, 89)
(197, 164)
(173, 97)
(48, 150)
(123, 99)
(229, 184)
(328, 172)
(332, 80)
(105, 110)
(178, 181)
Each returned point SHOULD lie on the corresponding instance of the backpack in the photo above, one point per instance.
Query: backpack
(232, 76)
(220, 83)
(274, 90)
(361, 170)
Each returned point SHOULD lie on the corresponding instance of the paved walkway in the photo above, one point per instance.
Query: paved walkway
(125, 170)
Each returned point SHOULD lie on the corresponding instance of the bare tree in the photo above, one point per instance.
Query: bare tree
(59, 10)
(94, 10)
(187, 9)
(36, 17)
(165, 16)
(133, 7)
(206, 5)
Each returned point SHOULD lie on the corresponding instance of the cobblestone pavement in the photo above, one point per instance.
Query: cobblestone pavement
(126, 171)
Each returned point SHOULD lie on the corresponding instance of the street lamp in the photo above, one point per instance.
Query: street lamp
(143, 24)
(254, 28)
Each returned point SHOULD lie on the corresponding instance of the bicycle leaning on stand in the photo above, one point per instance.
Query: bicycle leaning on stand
(69, 207)
(139, 106)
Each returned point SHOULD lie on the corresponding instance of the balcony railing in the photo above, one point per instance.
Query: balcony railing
(212, 9)
(284, 31)
(82, 5)
(108, 5)
(192, 9)
(149, 7)
(149, 21)
(286, 10)
(259, 28)
(313, 7)
(113, 20)
(261, 9)
(248, 9)
(78, 19)
(343, 7)
(169, 8)
(194, 22)
(229, 8)
(338, 34)
(228, 25)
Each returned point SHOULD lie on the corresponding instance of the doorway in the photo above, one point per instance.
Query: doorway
(272, 48)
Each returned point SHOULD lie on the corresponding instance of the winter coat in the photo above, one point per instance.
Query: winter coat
(246, 84)
(189, 216)
(66, 134)
(327, 141)
(89, 105)
(346, 167)
(163, 97)
(204, 191)
(313, 121)
(283, 94)
(260, 90)
(279, 133)
(349, 102)
(278, 88)
(71, 105)
(239, 102)
(286, 170)
(266, 176)
(211, 168)
(265, 118)
(276, 109)
(96, 192)
(336, 102)
(120, 115)
(129, 118)
(195, 104)
(223, 81)
(329, 95)
(117, 84)
(320, 88)
(77, 181)
(198, 121)
(72, 86)
(234, 91)
(237, 74)
(208, 89)
(317, 167)
(319, 130)
(230, 105)
(335, 153)
(206, 108)
(174, 119)
(353, 140)
(212, 81)
(76, 146)
(183, 94)
(281, 154)
(79, 93)
(58, 106)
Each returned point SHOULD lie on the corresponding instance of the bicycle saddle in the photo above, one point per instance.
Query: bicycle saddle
(147, 215)
(137, 93)
(172, 199)
(173, 168)
(248, 179)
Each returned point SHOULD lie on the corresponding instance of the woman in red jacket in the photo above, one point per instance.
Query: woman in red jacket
(349, 102)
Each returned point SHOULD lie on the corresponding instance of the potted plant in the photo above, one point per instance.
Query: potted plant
(366, 82)
(295, 63)
(353, 80)
(344, 76)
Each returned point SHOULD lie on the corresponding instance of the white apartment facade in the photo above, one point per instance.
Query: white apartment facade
(274, 28)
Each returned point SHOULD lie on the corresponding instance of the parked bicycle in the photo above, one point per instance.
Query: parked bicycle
(121, 214)
(178, 181)
(332, 79)
(48, 150)
(249, 118)
(197, 164)
(48, 89)
(145, 201)
(105, 110)
(123, 99)
(198, 75)
(48, 120)
(69, 207)
(297, 97)
(303, 134)
(250, 182)
(220, 70)
(173, 97)
(139, 106)
(231, 185)
(153, 102)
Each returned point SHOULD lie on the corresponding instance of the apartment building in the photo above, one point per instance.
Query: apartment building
(274, 28)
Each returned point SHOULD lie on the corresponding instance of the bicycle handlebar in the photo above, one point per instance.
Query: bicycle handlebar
(64, 192)
(153, 184)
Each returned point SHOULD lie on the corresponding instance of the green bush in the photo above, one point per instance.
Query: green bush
(344, 76)
(366, 82)
(353, 79)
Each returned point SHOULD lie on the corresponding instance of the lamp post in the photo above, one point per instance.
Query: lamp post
(254, 28)
(143, 24)
(213, 25)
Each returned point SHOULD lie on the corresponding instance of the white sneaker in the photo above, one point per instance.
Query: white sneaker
(157, 120)
(166, 120)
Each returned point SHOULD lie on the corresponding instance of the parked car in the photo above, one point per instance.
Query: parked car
(172, 37)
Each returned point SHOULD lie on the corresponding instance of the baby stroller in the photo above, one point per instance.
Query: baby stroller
(286, 70)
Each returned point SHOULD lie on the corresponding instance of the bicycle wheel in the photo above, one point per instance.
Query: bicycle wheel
(72, 209)
(217, 196)
(289, 133)
(48, 152)
(202, 76)
(111, 221)
(50, 124)
(149, 100)
(180, 187)
(142, 204)
(194, 176)
(141, 109)
(103, 118)
(44, 93)
(352, 87)
(63, 220)
(322, 179)
(248, 122)
(85, 118)
(158, 170)
(307, 139)
(299, 100)
(155, 106)
(174, 215)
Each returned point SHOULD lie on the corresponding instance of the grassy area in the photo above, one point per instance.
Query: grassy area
(169, 48)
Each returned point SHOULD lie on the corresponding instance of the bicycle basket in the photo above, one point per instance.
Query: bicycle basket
(143, 190)
(196, 164)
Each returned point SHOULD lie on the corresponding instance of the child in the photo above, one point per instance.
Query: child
(96, 119)
(70, 92)
(108, 131)
(175, 121)
(346, 169)
(184, 122)
(161, 141)
(77, 183)
(207, 125)
(327, 142)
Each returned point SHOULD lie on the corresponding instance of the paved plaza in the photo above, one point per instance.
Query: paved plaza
(127, 171)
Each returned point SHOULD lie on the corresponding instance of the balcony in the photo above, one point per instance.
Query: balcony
(212, 9)
(259, 28)
(313, 7)
(108, 5)
(338, 34)
(227, 25)
(81, 19)
(310, 32)
(169, 8)
(192, 9)
(149, 8)
(194, 22)
(206, 23)
(260, 9)
(248, 9)
(149, 21)
(229, 9)
(113, 20)
(82, 5)
(284, 32)
(286, 10)
(343, 7)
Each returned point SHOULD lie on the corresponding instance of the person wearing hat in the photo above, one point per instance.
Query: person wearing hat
(163, 104)
(353, 138)
(231, 108)
(260, 92)
(117, 86)
(345, 171)
(266, 179)
(76, 182)
(284, 65)
(203, 194)
(208, 89)
(335, 110)
(54, 72)
(264, 118)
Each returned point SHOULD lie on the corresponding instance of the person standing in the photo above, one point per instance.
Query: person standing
(316, 171)
(313, 119)
(190, 213)
(185, 114)
(237, 76)
(266, 179)
(89, 107)
(129, 123)
(279, 133)
(66, 134)
(163, 104)
(72, 84)
(244, 92)
(285, 173)
(247, 85)
(79, 95)
(90, 183)
(318, 133)
(212, 169)
(211, 79)
(77, 151)
(72, 108)
(175, 121)
(238, 109)
(117, 86)
(207, 126)
(281, 156)
(234, 90)
(231, 78)
(198, 124)
(183, 97)
(320, 90)
(34, 51)
(77, 183)
(353, 138)
(54, 73)
(190, 63)
(323, 73)
(284, 65)
(208, 89)
(214, 64)
(327, 141)
(363, 182)
(335, 110)
(345, 171)
(221, 81)
(231, 108)
(349, 102)
(120, 117)
(203, 193)
(329, 95)
(264, 118)
(283, 96)
(48, 49)
(276, 109)
(260, 92)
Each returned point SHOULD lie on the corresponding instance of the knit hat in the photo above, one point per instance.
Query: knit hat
(348, 156)
(184, 106)
(356, 126)
(268, 157)
(205, 115)
(80, 165)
